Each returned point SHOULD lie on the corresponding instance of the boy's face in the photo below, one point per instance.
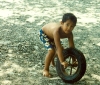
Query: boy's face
(68, 26)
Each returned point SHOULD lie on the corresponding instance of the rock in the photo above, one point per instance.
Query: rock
(5, 42)
(94, 59)
(96, 76)
(10, 50)
(98, 44)
(36, 47)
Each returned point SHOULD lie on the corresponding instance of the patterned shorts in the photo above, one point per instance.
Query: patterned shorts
(46, 41)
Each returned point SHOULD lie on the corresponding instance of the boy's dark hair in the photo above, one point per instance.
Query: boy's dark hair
(70, 16)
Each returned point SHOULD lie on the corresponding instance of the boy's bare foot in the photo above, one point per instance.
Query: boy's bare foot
(46, 74)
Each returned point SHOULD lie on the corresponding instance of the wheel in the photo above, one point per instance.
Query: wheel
(72, 73)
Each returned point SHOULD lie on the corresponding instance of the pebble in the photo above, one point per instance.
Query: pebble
(98, 44)
(36, 47)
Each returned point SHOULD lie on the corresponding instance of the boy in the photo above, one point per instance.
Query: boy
(50, 35)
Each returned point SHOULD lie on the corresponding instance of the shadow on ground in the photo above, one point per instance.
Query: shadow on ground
(22, 53)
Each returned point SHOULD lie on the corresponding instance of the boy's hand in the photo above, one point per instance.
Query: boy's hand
(65, 64)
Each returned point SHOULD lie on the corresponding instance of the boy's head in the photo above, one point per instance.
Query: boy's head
(68, 22)
(69, 16)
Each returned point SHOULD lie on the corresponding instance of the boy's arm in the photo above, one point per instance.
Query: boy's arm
(58, 45)
(71, 41)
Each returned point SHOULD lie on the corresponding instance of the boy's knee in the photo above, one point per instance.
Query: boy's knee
(52, 51)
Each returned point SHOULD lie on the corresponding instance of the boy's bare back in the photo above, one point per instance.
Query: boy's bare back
(50, 28)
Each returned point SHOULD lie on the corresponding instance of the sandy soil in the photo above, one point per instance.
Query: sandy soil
(21, 52)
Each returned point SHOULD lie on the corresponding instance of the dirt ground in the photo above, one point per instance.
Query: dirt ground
(21, 52)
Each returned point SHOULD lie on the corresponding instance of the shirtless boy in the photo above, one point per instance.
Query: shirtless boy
(50, 35)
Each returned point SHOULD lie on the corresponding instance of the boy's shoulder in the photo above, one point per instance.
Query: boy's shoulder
(53, 24)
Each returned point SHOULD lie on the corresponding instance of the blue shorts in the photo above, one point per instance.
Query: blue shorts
(49, 44)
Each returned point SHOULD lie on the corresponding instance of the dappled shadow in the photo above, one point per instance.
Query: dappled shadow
(22, 53)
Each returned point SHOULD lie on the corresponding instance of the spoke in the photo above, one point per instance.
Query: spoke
(71, 71)
(69, 60)
(70, 66)
(74, 68)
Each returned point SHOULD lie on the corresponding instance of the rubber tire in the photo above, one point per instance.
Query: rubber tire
(81, 66)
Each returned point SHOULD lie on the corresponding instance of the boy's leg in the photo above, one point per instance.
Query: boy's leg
(48, 59)
(52, 61)
(51, 51)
